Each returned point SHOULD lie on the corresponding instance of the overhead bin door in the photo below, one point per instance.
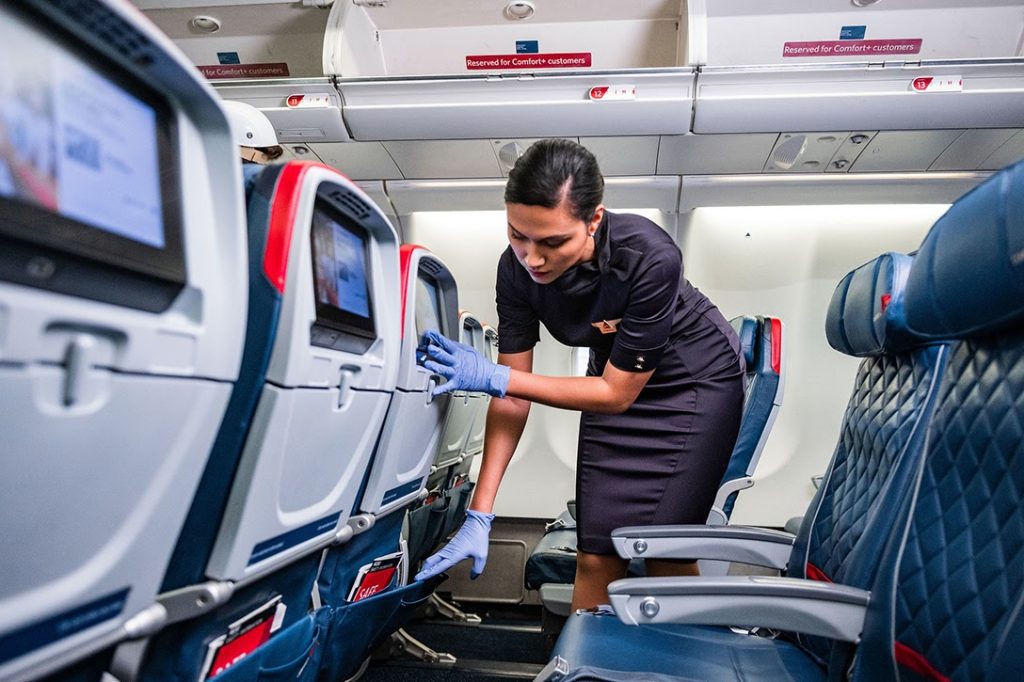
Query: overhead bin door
(300, 109)
(934, 95)
(655, 102)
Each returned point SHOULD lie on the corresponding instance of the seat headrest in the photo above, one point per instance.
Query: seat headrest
(867, 316)
(968, 277)
(746, 329)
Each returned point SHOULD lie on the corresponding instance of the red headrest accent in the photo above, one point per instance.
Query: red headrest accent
(405, 264)
(776, 345)
(283, 207)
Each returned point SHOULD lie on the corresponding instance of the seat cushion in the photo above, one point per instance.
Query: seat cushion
(602, 641)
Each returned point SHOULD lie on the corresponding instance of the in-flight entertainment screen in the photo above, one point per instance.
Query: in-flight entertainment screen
(341, 273)
(87, 165)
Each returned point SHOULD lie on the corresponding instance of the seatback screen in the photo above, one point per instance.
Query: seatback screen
(428, 305)
(341, 273)
(87, 163)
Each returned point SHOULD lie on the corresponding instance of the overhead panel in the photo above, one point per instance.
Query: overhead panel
(850, 150)
(519, 106)
(712, 154)
(934, 95)
(358, 160)
(661, 193)
(413, 196)
(904, 150)
(970, 150)
(1009, 152)
(803, 152)
(445, 159)
(624, 155)
(508, 151)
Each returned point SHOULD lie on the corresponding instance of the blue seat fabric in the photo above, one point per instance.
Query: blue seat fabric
(699, 653)
(762, 389)
(958, 575)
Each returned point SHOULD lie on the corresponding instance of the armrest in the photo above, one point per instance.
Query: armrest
(808, 606)
(745, 544)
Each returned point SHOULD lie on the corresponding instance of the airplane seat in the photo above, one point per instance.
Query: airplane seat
(947, 605)
(880, 446)
(553, 560)
(394, 490)
(764, 359)
(402, 475)
(319, 366)
(122, 315)
(462, 438)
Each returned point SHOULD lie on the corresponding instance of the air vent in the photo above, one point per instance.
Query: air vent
(96, 19)
(350, 203)
(788, 151)
(431, 267)
(509, 153)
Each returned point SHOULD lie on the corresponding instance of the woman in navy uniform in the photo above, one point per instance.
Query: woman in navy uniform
(663, 394)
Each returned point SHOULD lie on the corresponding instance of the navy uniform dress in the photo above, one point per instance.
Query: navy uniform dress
(659, 462)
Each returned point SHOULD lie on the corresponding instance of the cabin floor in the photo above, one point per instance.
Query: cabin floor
(508, 643)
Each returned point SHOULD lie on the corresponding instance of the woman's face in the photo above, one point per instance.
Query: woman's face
(549, 241)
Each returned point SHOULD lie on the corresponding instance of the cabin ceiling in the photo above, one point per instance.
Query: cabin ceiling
(399, 87)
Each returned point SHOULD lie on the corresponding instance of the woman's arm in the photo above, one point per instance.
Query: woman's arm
(612, 393)
(506, 418)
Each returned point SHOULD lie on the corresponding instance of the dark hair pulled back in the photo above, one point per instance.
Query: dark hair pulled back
(551, 170)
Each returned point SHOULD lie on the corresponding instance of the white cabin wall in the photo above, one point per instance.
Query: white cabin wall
(786, 261)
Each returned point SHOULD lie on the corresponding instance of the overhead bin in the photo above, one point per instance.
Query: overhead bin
(300, 109)
(742, 32)
(409, 70)
(654, 102)
(394, 38)
(929, 96)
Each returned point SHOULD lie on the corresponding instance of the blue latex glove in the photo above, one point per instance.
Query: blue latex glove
(463, 366)
(470, 542)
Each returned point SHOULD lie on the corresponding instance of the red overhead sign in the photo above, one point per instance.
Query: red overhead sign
(851, 48)
(552, 60)
(270, 70)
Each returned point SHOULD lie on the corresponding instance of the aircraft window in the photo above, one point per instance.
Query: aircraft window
(340, 274)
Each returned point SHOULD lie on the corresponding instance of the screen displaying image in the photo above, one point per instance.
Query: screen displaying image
(74, 142)
(427, 306)
(340, 274)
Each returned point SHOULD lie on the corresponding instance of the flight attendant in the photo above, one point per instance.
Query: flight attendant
(663, 393)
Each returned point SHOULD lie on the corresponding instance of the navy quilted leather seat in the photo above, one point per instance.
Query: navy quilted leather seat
(553, 559)
(948, 605)
(880, 445)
